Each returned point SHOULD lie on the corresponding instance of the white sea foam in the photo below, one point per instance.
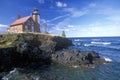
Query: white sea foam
(5, 78)
(75, 66)
(88, 45)
(92, 66)
(104, 43)
(13, 71)
(107, 59)
(77, 40)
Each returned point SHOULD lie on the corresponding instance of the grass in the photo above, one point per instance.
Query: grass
(12, 39)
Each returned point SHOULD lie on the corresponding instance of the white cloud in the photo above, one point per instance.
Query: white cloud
(76, 13)
(41, 1)
(61, 4)
(58, 17)
(114, 18)
(103, 31)
(92, 4)
(70, 26)
(3, 25)
(61, 29)
(89, 30)
(111, 15)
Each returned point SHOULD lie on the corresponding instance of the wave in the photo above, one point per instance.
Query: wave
(76, 40)
(75, 66)
(107, 47)
(114, 48)
(99, 43)
(107, 59)
(88, 45)
(5, 78)
(96, 39)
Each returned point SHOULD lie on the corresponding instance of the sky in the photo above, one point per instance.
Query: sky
(78, 18)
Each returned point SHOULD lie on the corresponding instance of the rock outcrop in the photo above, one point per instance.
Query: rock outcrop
(30, 50)
(76, 57)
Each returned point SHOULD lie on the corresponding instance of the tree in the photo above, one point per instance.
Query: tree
(63, 34)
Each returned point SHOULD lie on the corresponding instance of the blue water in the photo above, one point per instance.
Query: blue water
(107, 47)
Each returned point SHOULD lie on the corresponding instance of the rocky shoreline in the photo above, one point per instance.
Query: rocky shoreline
(35, 50)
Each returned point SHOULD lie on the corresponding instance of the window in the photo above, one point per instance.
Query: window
(26, 28)
(19, 28)
(32, 27)
(29, 23)
(14, 29)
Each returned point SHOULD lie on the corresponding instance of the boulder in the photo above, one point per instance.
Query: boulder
(61, 43)
(75, 57)
(6, 58)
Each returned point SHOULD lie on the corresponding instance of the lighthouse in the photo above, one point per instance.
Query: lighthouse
(35, 16)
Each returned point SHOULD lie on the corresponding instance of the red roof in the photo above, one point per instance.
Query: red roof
(20, 21)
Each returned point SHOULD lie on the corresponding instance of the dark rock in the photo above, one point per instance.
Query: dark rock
(90, 58)
(24, 55)
(6, 58)
(93, 53)
(61, 43)
(75, 57)
(48, 46)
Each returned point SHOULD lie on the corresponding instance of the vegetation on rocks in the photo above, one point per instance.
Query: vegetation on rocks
(11, 40)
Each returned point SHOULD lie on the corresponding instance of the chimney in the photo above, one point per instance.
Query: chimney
(18, 17)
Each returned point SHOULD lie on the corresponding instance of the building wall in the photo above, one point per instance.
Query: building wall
(37, 27)
(29, 26)
(16, 29)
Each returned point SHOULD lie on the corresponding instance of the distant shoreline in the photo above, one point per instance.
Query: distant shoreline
(96, 37)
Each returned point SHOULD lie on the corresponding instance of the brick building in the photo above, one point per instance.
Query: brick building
(26, 24)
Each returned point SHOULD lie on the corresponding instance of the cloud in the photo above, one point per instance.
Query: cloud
(92, 5)
(107, 11)
(65, 24)
(76, 13)
(41, 1)
(70, 26)
(62, 29)
(61, 4)
(93, 30)
(58, 17)
(115, 18)
(3, 25)
(103, 31)
(110, 14)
